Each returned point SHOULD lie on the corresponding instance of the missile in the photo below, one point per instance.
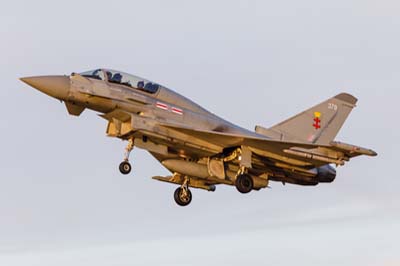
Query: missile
(313, 156)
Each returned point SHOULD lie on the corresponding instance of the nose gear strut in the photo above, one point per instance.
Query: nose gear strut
(125, 167)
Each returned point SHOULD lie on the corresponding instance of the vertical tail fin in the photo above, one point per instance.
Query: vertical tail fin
(319, 124)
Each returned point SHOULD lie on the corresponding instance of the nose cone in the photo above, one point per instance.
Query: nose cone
(54, 86)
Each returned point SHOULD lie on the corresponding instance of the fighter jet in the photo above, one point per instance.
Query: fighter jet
(200, 149)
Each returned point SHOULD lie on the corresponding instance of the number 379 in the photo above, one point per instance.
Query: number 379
(332, 106)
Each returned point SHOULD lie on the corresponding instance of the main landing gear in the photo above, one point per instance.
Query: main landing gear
(183, 195)
(244, 183)
(125, 167)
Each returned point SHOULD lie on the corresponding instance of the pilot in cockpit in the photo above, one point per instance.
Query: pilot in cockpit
(140, 85)
(117, 78)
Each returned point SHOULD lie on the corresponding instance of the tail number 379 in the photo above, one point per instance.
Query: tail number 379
(332, 106)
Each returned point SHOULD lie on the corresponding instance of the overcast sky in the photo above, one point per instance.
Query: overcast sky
(62, 199)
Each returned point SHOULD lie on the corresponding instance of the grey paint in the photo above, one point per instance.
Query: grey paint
(89, 215)
(172, 126)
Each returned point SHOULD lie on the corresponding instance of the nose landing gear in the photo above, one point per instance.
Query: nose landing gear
(125, 167)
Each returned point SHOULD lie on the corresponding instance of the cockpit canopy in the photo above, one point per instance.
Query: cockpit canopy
(121, 78)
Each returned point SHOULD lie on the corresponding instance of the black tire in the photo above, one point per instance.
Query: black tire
(244, 183)
(180, 200)
(125, 168)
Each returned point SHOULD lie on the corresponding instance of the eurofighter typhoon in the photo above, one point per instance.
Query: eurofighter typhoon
(200, 149)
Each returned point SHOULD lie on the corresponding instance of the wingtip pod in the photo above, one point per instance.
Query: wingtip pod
(346, 97)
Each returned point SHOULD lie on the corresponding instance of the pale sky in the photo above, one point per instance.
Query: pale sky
(63, 200)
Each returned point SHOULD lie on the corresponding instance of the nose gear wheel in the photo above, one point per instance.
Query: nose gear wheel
(125, 168)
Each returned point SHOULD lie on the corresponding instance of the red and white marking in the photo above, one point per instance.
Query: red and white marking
(162, 106)
(177, 111)
(165, 107)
